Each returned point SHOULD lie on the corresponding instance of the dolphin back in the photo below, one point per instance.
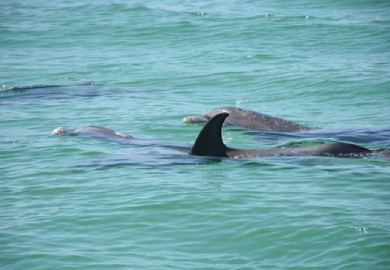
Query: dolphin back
(254, 120)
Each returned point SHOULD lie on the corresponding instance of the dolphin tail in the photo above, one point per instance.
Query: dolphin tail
(209, 141)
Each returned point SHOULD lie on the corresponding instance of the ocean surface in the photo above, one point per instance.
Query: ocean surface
(71, 202)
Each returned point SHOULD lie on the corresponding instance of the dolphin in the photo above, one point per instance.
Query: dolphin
(31, 87)
(93, 131)
(248, 119)
(209, 143)
(106, 134)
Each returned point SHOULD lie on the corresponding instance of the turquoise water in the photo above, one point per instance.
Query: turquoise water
(74, 202)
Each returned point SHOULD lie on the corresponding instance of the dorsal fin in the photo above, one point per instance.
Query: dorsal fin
(209, 141)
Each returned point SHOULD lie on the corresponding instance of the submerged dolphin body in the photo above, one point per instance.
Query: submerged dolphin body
(31, 87)
(93, 131)
(248, 119)
(106, 134)
(209, 143)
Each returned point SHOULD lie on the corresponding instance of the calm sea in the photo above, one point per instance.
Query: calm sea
(79, 203)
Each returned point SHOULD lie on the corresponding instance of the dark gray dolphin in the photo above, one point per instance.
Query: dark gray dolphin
(248, 119)
(209, 143)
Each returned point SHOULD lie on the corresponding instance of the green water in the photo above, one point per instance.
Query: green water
(73, 202)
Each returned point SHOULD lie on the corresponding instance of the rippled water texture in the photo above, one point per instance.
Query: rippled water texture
(77, 202)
